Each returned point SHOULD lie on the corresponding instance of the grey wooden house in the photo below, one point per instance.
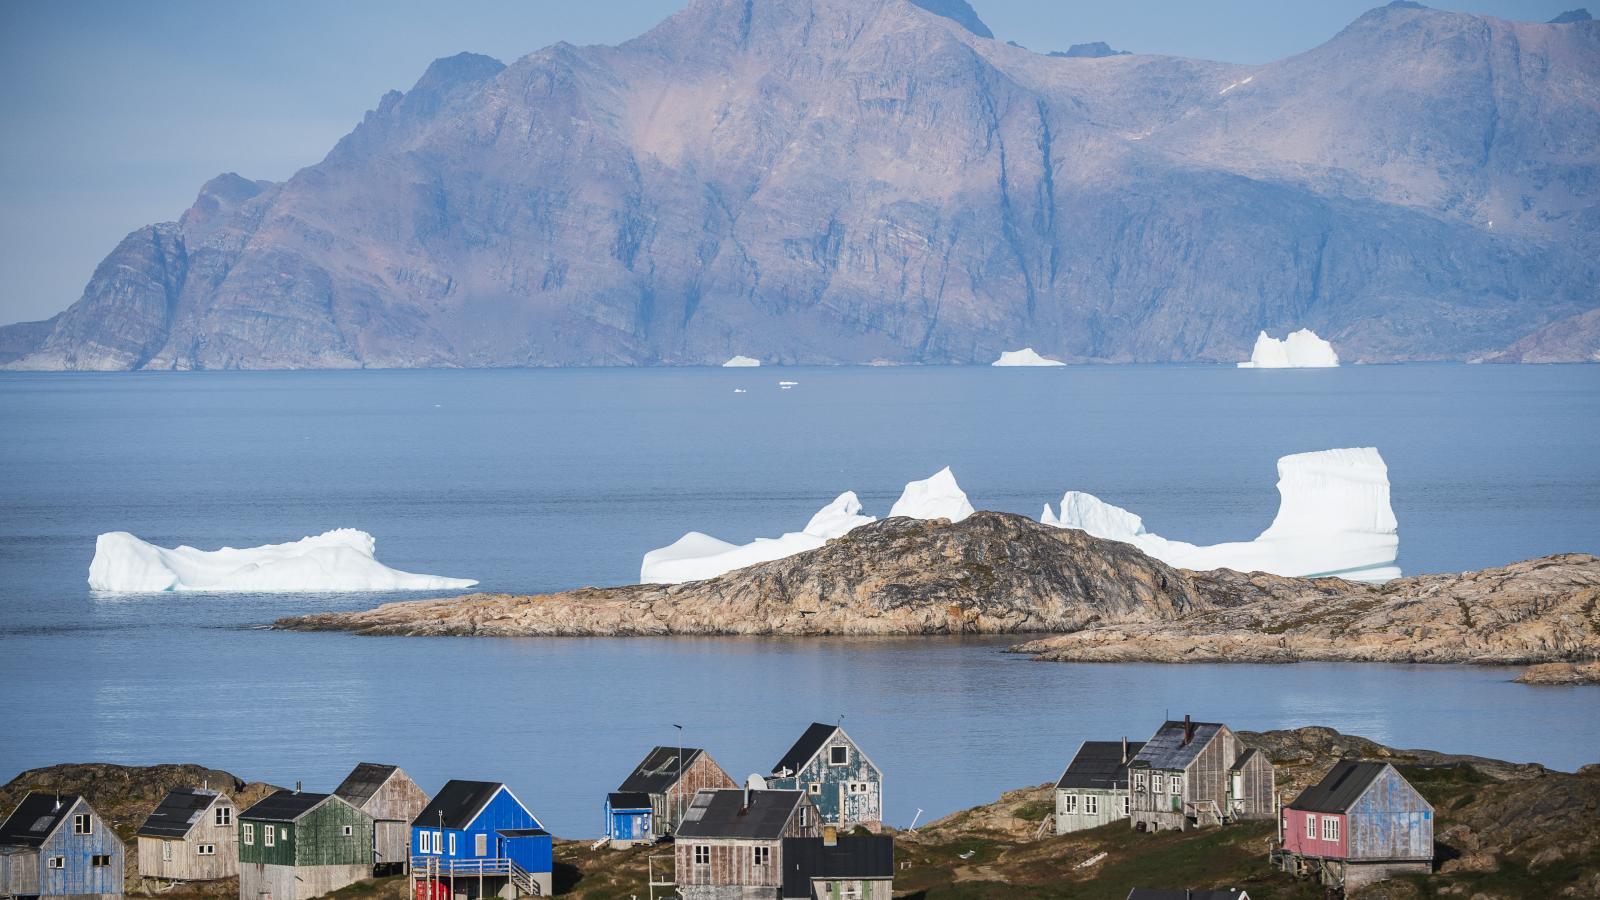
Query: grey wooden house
(1362, 823)
(189, 836)
(295, 845)
(671, 777)
(730, 843)
(1197, 773)
(835, 866)
(393, 800)
(843, 782)
(56, 845)
(1093, 791)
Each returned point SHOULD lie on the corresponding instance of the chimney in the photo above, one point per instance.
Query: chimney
(57, 807)
(746, 807)
(1124, 749)
(1188, 729)
(830, 835)
(297, 787)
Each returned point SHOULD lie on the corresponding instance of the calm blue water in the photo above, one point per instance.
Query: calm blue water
(541, 480)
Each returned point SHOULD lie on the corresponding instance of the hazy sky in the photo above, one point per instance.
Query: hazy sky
(115, 112)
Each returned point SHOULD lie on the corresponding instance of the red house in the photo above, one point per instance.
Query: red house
(1363, 822)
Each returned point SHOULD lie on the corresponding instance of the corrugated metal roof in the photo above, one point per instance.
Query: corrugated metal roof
(1340, 788)
(179, 811)
(658, 772)
(852, 857)
(804, 749)
(722, 814)
(1099, 765)
(458, 802)
(364, 781)
(284, 806)
(36, 818)
(1167, 748)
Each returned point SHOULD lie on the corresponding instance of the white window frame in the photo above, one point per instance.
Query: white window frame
(438, 842)
(56, 862)
(843, 762)
(760, 856)
(1156, 784)
(1311, 826)
(205, 850)
(849, 890)
(224, 816)
(269, 836)
(1138, 781)
(166, 851)
(1127, 805)
(452, 843)
(814, 788)
(702, 854)
(1330, 828)
(348, 830)
(1175, 784)
(1069, 804)
(480, 841)
(805, 816)
(1091, 805)
(83, 823)
(423, 845)
(250, 833)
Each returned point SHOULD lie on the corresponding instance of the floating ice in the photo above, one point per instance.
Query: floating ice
(697, 556)
(938, 497)
(740, 362)
(340, 560)
(1024, 357)
(1300, 350)
(1334, 518)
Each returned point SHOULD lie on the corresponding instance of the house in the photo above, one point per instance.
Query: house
(1154, 894)
(671, 777)
(1363, 822)
(843, 783)
(393, 800)
(835, 867)
(1197, 773)
(56, 845)
(476, 839)
(295, 844)
(191, 836)
(730, 843)
(629, 816)
(1093, 790)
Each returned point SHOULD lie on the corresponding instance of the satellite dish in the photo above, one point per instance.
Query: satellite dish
(755, 783)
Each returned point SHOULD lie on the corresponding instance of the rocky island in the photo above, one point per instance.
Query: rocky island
(1100, 600)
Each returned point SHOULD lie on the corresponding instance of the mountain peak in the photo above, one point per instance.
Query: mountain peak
(1580, 14)
(1091, 50)
(448, 71)
(959, 12)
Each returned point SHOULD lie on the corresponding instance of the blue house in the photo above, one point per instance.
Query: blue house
(56, 845)
(844, 783)
(476, 839)
(628, 818)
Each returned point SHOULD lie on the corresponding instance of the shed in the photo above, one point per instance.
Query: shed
(628, 815)
(56, 845)
(476, 839)
(295, 845)
(671, 777)
(393, 800)
(731, 841)
(842, 781)
(191, 835)
(1362, 823)
(820, 868)
(1093, 790)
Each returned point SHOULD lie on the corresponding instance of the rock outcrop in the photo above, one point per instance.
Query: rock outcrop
(1562, 673)
(846, 181)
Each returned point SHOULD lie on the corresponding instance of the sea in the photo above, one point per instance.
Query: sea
(540, 480)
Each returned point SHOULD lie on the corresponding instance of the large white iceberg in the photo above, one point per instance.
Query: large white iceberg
(739, 362)
(697, 556)
(1300, 350)
(340, 560)
(938, 497)
(1024, 357)
(1334, 518)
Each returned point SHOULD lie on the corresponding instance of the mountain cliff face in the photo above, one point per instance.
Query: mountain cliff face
(846, 181)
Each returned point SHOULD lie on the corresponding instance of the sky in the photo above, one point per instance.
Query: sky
(115, 113)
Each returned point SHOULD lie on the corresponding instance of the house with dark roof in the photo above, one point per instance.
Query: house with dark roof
(730, 843)
(56, 845)
(1093, 791)
(629, 819)
(1362, 823)
(834, 866)
(843, 782)
(295, 845)
(1157, 894)
(1197, 773)
(189, 836)
(476, 839)
(669, 777)
(393, 800)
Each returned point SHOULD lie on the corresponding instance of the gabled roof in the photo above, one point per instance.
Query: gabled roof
(1154, 894)
(1340, 788)
(851, 857)
(806, 748)
(284, 806)
(459, 802)
(36, 818)
(177, 813)
(722, 814)
(1244, 759)
(659, 769)
(1167, 748)
(364, 781)
(1099, 765)
(628, 800)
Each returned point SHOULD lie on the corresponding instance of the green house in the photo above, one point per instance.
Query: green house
(294, 846)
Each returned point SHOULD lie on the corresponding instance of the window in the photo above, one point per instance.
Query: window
(848, 890)
(838, 755)
(1155, 783)
(702, 854)
(351, 829)
(249, 832)
(1091, 805)
(422, 843)
(480, 845)
(269, 836)
(452, 843)
(1311, 827)
(1069, 804)
(100, 860)
(56, 862)
(805, 816)
(82, 823)
(206, 849)
(1138, 781)
(814, 788)
(763, 855)
(1330, 828)
(224, 815)
(438, 842)
(1127, 803)
(166, 851)
(859, 787)
(1176, 786)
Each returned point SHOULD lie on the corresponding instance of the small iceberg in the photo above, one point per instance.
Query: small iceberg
(741, 362)
(339, 560)
(1024, 357)
(1300, 350)
(740, 391)
(1334, 518)
(938, 497)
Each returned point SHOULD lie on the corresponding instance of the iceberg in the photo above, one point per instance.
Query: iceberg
(1024, 357)
(1300, 350)
(1334, 518)
(697, 556)
(339, 560)
(740, 362)
(937, 497)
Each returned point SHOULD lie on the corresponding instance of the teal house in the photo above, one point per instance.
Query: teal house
(844, 784)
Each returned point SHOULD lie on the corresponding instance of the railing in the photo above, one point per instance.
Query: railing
(487, 867)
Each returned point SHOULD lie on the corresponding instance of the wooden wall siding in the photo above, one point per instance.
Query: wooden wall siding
(733, 860)
(834, 802)
(1109, 804)
(259, 881)
(19, 872)
(1390, 821)
(80, 877)
(1206, 778)
(833, 889)
(704, 774)
(391, 842)
(186, 863)
(256, 851)
(1260, 788)
(399, 799)
(319, 838)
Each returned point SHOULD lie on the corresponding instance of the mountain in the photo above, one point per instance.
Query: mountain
(846, 181)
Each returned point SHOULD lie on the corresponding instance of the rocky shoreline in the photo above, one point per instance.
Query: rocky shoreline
(1099, 600)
